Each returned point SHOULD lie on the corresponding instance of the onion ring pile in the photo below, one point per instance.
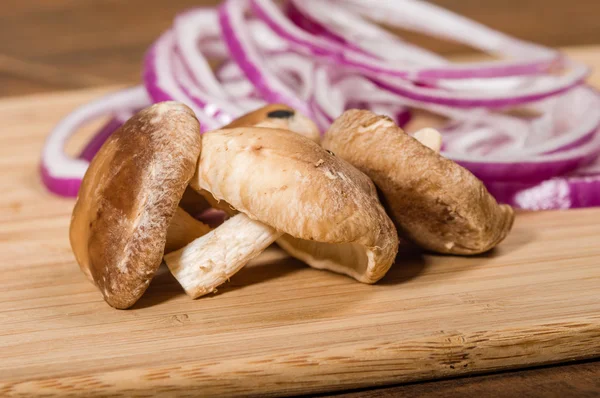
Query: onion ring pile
(526, 124)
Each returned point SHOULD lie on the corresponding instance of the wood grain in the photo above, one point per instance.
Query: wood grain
(578, 380)
(278, 327)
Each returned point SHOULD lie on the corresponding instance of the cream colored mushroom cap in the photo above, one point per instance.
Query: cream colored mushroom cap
(292, 184)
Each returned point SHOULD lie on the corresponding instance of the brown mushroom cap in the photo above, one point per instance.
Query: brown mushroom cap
(292, 184)
(279, 116)
(432, 200)
(129, 196)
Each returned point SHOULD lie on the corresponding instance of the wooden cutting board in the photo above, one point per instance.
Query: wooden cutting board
(278, 327)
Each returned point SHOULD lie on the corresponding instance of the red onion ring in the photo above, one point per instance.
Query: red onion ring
(102, 135)
(238, 39)
(160, 81)
(62, 174)
(190, 28)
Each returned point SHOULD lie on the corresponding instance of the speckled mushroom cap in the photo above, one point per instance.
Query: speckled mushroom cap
(269, 116)
(279, 116)
(292, 184)
(432, 200)
(128, 197)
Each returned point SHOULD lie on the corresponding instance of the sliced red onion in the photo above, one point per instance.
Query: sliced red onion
(336, 91)
(577, 189)
(563, 123)
(534, 168)
(217, 109)
(229, 71)
(552, 148)
(340, 54)
(292, 69)
(190, 27)
(305, 22)
(62, 174)
(92, 147)
(429, 19)
(590, 170)
(245, 53)
(296, 71)
(214, 48)
(530, 90)
(326, 56)
(343, 26)
(561, 193)
(333, 96)
(261, 33)
(160, 81)
(239, 88)
(221, 96)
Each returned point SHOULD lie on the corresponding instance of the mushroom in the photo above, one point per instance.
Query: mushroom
(432, 200)
(283, 184)
(279, 116)
(128, 198)
(184, 228)
(270, 116)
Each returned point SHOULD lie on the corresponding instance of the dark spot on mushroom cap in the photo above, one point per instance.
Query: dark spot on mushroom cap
(329, 152)
(281, 114)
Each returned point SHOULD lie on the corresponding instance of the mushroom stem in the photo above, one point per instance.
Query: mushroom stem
(429, 137)
(210, 260)
(183, 230)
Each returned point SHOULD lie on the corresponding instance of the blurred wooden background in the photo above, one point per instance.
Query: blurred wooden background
(48, 45)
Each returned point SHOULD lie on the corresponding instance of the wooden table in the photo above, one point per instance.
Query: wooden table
(69, 44)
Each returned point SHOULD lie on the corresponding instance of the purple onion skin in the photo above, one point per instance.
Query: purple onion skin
(92, 147)
(63, 187)
(558, 193)
(524, 171)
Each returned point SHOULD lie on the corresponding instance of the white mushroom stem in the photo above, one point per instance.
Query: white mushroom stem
(183, 230)
(429, 137)
(210, 260)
